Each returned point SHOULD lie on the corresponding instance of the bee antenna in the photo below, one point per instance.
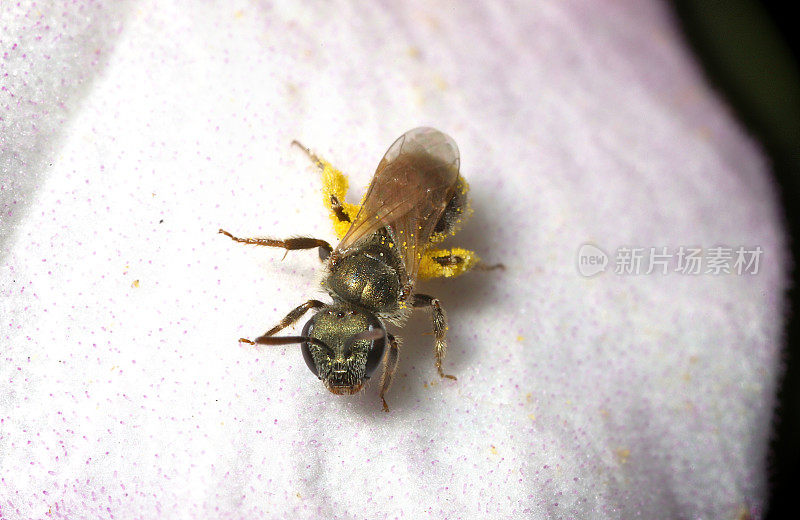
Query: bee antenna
(287, 340)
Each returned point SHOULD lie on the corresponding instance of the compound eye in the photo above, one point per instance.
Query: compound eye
(308, 328)
(376, 349)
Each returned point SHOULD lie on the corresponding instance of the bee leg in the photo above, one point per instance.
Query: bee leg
(439, 327)
(455, 261)
(334, 190)
(389, 366)
(448, 263)
(290, 244)
(316, 160)
(336, 206)
(337, 209)
(454, 213)
(290, 318)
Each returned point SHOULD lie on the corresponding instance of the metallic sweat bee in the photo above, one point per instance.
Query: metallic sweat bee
(415, 200)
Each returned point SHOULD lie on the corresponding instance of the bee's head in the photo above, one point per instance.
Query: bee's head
(343, 346)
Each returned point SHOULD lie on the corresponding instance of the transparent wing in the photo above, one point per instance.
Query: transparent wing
(412, 185)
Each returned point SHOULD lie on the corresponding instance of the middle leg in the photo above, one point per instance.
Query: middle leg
(439, 328)
(290, 244)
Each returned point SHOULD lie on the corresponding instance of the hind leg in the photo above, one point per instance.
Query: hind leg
(455, 212)
(449, 263)
(334, 190)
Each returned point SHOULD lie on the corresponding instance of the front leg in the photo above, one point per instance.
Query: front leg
(439, 327)
(290, 319)
(389, 366)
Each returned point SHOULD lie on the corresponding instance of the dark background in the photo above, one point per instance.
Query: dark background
(749, 53)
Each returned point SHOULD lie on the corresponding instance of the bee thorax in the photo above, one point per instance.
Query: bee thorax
(365, 279)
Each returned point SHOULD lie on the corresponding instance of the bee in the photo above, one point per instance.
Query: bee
(416, 199)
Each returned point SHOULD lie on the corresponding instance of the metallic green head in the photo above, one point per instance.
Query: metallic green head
(345, 347)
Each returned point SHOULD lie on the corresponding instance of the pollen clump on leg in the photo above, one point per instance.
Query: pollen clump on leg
(334, 187)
